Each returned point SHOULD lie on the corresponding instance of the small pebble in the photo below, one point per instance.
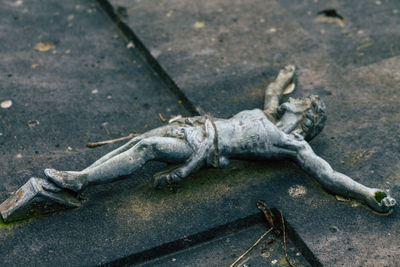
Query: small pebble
(19, 156)
(109, 97)
(95, 91)
(130, 45)
(69, 148)
(6, 104)
(173, 260)
(274, 262)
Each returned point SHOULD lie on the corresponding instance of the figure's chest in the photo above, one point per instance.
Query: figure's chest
(247, 132)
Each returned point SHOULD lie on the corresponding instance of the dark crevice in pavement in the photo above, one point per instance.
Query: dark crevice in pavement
(188, 241)
(301, 245)
(128, 33)
(213, 234)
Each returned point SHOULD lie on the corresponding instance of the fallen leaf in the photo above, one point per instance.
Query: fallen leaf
(43, 47)
(6, 104)
(199, 24)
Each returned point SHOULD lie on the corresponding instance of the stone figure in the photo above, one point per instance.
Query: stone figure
(277, 131)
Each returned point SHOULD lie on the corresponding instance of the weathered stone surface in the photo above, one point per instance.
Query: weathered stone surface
(357, 33)
(220, 53)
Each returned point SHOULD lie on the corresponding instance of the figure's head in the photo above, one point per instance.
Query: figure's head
(305, 116)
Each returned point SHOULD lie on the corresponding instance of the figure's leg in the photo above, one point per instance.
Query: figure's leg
(274, 91)
(333, 181)
(161, 131)
(152, 148)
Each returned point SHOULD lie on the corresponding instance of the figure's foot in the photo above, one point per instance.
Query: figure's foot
(69, 180)
(163, 179)
(380, 201)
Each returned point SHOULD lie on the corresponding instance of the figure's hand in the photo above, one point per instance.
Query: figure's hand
(163, 179)
(381, 201)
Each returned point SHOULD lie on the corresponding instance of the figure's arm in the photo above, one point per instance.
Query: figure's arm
(274, 91)
(333, 181)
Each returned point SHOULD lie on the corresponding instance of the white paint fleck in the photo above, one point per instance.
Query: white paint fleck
(1, 134)
(19, 156)
(109, 97)
(298, 254)
(297, 191)
(69, 148)
(95, 91)
(6, 104)
(173, 260)
(273, 262)
(130, 45)
(272, 30)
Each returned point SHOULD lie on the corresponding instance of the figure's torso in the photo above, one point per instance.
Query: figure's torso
(248, 133)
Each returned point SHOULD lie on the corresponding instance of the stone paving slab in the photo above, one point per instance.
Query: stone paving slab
(200, 45)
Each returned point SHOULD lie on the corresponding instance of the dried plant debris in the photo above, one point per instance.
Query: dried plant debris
(43, 47)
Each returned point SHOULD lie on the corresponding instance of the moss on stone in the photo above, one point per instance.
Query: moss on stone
(380, 195)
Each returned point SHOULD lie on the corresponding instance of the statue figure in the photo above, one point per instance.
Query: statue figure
(277, 131)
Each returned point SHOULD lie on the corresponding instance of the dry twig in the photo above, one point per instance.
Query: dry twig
(250, 248)
(284, 241)
(94, 144)
(278, 229)
(161, 117)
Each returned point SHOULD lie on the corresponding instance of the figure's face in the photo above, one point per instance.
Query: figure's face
(305, 116)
